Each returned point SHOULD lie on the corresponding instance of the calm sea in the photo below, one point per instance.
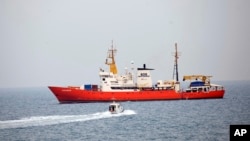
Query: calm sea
(35, 114)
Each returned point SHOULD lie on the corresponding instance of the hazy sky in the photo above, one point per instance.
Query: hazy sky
(65, 42)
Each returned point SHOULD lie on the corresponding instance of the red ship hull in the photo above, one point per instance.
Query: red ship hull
(75, 94)
(203, 95)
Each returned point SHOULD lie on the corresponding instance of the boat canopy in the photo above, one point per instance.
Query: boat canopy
(197, 84)
(203, 78)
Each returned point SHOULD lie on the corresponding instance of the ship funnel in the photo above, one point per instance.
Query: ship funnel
(143, 77)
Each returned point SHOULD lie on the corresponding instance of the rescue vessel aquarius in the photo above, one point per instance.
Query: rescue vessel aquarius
(139, 87)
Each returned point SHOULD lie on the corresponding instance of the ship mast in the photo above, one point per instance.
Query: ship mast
(110, 60)
(176, 56)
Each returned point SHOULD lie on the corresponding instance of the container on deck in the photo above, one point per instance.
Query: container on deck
(87, 86)
(94, 87)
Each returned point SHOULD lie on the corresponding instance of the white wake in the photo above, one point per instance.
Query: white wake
(58, 119)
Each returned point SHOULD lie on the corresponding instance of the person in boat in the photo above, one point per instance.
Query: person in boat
(111, 108)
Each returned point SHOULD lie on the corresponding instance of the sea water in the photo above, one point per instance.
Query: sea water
(35, 114)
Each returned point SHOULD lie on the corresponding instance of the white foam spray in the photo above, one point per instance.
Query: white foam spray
(58, 119)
